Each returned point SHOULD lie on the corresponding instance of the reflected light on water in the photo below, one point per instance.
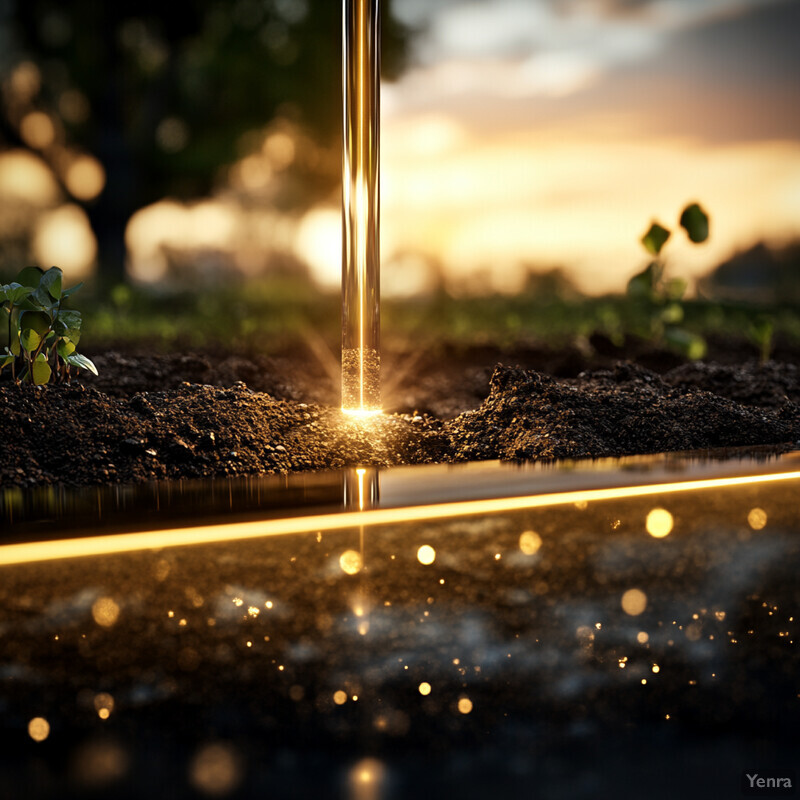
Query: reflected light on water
(103, 705)
(38, 729)
(99, 763)
(659, 523)
(340, 697)
(350, 562)
(105, 612)
(426, 555)
(465, 705)
(216, 769)
(530, 542)
(365, 780)
(757, 519)
(213, 534)
(634, 602)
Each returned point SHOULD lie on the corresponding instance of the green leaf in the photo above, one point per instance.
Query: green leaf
(672, 313)
(65, 347)
(51, 282)
(68, 320)
(14, 292)
(41, 370)
(655, 239)
(41, 298)
(72, 289)
(675, 288)
(6, 359)
(643, 284)
(77, 360)
(38, 321)
(29, 339)
(689, 344)
(695, 222)
(30, 276)
(30, 302)
(14, 346)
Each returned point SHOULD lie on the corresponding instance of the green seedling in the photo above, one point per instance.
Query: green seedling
(760, 331)
(659, 299)
(42, 335)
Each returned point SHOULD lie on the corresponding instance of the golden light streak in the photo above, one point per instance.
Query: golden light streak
(363, 221)
(362, 413)
(360, 179)
(360, 472)
(30, 552)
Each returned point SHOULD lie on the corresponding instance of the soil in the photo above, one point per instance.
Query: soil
(149, 417)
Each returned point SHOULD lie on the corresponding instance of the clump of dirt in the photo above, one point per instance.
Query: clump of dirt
(768, 385)
(625, 410)
(78, 435)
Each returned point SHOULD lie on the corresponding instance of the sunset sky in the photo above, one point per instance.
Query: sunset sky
(526, 134)
(552, 132)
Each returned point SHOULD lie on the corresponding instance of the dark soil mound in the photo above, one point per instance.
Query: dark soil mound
(769, 385)
(626, 410)
(75, 434)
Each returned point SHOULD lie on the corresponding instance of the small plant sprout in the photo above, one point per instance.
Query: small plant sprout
(42, 335)
(658, 298)
(760, 331)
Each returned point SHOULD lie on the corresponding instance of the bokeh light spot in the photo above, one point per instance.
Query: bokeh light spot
(659, 523)
(105, 612)
(634, 602)
(216, 769)
(350, 562)
(38, 729)
(530, 542)
(757, 519)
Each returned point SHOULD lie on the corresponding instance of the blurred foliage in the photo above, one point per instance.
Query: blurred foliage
(271, 314)
(658, 301)
(164, 94)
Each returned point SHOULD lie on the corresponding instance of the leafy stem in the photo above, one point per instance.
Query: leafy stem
(42, 335)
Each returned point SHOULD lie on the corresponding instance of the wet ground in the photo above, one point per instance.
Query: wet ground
(594, 646)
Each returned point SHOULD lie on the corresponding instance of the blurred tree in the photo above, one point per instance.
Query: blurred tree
(164, 94)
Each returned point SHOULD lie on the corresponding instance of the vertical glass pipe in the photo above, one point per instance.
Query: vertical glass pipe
(361, 62)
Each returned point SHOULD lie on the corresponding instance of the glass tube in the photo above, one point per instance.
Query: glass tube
(361, 207)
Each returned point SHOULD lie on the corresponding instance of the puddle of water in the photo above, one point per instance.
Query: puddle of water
(570, 649)
(52, 512)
